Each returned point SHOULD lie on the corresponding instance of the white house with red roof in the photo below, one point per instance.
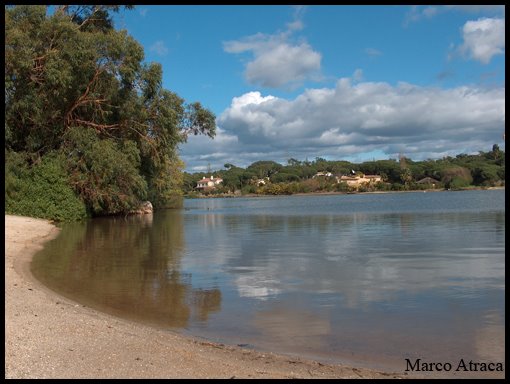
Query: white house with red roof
(209, 182)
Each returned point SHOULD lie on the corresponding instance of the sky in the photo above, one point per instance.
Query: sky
(340, 82)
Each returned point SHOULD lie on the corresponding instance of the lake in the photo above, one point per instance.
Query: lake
(362, 279)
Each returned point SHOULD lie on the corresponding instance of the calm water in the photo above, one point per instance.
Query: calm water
(367, 279)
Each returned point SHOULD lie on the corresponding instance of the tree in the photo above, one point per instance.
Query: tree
(284, 177)
(104, 172)
(456, 177)
(486, 174)
(75, 85)
(406, 176)
(293, 162)
(264, 168)
(91, 17)
(496, 152)
(233, 179)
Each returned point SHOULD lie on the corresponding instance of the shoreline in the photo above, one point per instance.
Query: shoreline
(327, 193)
(50, 336)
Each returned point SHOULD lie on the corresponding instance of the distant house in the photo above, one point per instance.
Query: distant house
(322, 174)
(261, 182)
(373, 178)
(209, 183)
(428, 180)
(357, 180)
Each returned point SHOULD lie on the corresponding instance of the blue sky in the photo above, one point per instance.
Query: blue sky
(340, 82)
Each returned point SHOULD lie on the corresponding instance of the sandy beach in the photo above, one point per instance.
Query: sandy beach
(49, 336)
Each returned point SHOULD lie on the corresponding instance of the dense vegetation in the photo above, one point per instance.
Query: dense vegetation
(89, 129)
(485, 169)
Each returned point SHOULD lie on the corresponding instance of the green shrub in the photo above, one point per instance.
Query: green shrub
(382, 186)
(341, 187)
(40, 191)
(458, 182)
(456, 177)
(249, 189)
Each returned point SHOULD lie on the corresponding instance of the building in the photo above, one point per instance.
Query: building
(428, 180)
(357, 180)
(209, 183)
(260, 182)
(322, 174)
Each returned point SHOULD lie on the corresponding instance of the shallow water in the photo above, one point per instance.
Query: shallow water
(368, 279)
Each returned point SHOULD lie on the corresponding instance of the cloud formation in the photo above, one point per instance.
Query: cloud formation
(349, 120)
(420, 12)
(277, 60)
(483, 38)
(373, 52)
(159, 48)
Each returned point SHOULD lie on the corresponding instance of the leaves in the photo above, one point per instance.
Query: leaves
(76, 85)
(484, 169)
(41, 190)
(104, 172)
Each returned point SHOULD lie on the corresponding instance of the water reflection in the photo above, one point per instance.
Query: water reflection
(354, 278)
(360, 286)
(365, 257)
(128, 266)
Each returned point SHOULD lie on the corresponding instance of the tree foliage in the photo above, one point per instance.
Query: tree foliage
(77, 86)
(485, 169)
(41, 190)
(265, 168)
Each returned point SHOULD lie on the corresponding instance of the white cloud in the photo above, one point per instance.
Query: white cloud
(373, 52)
(483, 39)
(297, 24)
(200, 151)
(159, 48)
(487, 8)
(357, 75)
(278, 61)
(419, 12)
(283, 64)
(416, 13)
(353, 119)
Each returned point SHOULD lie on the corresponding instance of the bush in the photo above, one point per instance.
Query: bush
(458, 182)
(40, 191)
(382, 186)
(249, 189)
(311, 185)
(456, 177)
(342, 187)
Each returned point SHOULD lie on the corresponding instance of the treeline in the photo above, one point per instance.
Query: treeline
(485, 169)
(89, 129)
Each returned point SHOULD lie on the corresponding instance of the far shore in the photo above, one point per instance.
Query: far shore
(326, 193)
